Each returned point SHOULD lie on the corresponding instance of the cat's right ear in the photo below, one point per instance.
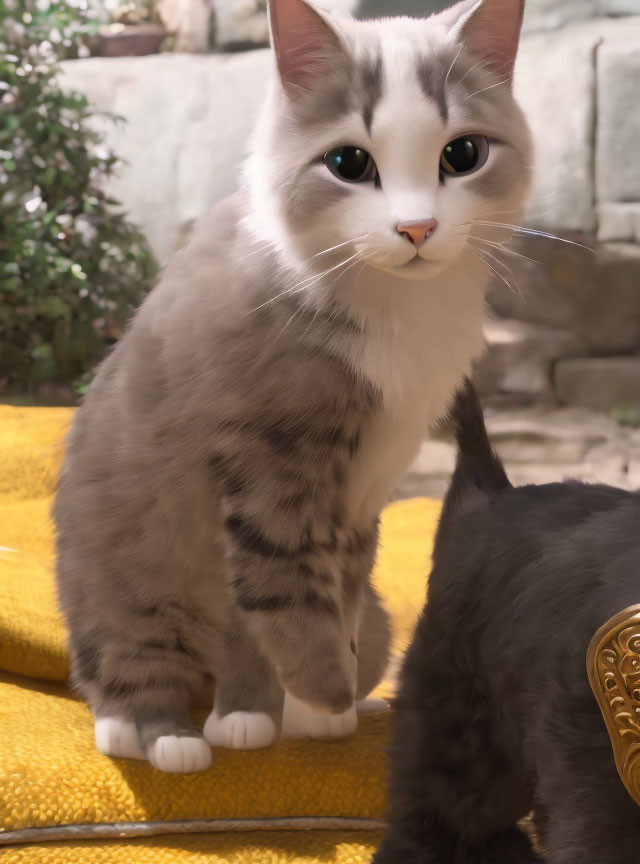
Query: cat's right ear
(307, 48)
(488, 28)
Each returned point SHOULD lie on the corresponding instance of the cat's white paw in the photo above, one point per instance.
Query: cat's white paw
(180, 754)
(240, 730)
(300, 720)
(371, 706)
(117, 737)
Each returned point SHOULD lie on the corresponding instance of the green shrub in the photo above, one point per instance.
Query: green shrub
(71, 266)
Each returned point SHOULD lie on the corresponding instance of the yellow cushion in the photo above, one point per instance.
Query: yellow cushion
(51, 775)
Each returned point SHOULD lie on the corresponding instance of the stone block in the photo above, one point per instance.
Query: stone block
(619, 7)
(189, 118)
(607, 466)
(244, 22)
(599, 383)
(542, 445)
(594, 292)
(618, 125)
(561, 112)
(241, 22)
(519, 357)
(619, 222)
(544, 15)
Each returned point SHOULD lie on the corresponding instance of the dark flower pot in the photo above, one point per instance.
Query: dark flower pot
(127, 40)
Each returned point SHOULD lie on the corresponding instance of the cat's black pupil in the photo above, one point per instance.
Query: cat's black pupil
(462, 154)
(350, 162)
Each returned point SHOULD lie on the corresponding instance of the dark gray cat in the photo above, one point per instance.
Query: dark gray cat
(495, 715)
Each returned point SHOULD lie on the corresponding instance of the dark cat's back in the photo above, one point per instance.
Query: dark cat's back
(495, 714)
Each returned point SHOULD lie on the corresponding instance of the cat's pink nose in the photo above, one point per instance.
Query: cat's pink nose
(418, 231)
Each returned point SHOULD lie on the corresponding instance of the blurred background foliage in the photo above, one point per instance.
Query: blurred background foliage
(72, 266)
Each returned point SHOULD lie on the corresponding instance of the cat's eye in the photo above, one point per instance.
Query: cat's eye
(351, 164)
(464, 155)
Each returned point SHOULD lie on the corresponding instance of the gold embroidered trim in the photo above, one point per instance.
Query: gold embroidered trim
(613, 666)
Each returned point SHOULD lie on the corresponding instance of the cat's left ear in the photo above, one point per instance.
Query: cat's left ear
(307, 48)
(490, 29)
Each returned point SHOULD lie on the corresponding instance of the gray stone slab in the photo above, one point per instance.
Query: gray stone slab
(519, 356)
(538, 445)
(619, 7)
(596, 295)
(619, 221)
(189, 118)
(600, 383)
(618, 126)
(561, 111)
(544, 15)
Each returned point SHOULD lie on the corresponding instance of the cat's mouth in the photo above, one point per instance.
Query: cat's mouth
(414, 262)
(417, 267)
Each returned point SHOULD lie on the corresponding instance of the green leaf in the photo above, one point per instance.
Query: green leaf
(53, 307)
(7, 314)
(42, 352)
(54, 290)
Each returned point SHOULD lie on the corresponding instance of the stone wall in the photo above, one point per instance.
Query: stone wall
(567, 328)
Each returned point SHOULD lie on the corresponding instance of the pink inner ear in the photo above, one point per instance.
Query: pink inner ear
(493, 33)
(303, 43)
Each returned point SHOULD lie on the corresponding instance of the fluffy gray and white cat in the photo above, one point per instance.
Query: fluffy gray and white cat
(217, 511)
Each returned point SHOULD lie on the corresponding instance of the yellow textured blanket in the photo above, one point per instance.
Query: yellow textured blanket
(60, 800)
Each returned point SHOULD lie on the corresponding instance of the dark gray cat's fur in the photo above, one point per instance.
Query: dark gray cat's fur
(495, 715)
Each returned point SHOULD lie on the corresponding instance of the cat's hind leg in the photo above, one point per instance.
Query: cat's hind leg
(458, 786)
(118, 737)
(156, 731)
(248, 699)
(139, 688)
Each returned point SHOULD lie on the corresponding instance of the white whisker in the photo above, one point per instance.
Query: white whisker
(490, 87)
(502, 248)
(302, 285)
(311, 280)
(533, 232)
(272, 300)
(486, 65)
(482, 253)
(338, 246)
(451, 67)
(350, 263)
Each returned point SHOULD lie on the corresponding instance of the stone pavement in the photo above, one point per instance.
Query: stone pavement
(538, 445)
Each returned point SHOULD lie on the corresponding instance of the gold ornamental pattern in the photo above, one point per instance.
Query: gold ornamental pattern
(613, 665)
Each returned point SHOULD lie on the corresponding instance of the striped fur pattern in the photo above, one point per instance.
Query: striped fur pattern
(217, 510)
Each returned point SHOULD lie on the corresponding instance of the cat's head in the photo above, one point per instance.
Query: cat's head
(391, 139)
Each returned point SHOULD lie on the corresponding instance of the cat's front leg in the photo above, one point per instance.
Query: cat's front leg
(290, 597)
(247, 708)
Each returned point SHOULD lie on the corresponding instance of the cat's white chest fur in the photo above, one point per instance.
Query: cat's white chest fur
(387, 446)
(417, 350)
